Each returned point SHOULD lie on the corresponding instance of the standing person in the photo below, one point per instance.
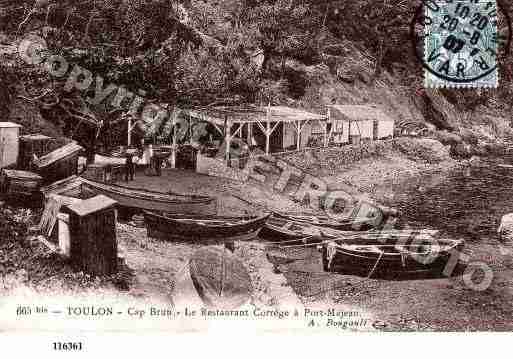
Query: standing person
(158, 164)
(129, 167)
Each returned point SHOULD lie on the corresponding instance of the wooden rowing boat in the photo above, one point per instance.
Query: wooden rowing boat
(220, 278)
(152, 200)
(128, 197)
(346, 224)
(392, 260)
(280, 229)
(198, 228)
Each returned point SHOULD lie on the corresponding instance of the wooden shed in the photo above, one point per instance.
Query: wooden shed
(352, 123)
(272, 128)
(9, 144)
(59, 164)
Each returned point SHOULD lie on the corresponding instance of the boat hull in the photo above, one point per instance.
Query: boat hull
(139, 199)
(194, 229)
(389, 265)
(220, 278)
(344, 225)
(153, 201)
(272, 232)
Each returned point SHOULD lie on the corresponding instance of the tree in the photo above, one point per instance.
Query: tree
(285, 29)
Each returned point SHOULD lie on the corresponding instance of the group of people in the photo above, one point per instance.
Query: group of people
(144, 156)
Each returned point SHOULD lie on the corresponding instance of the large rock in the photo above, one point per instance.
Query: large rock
(447, 138)
(441, 112)
(462, 150)
(426, 149)
(468, 136)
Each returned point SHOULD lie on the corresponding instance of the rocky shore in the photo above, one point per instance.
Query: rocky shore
(151, 266)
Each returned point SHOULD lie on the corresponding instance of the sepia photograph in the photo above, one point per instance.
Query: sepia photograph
(263, 166)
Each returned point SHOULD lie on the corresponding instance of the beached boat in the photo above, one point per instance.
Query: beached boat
(393, 259)
(346, 224)
(279, 229)
(199, 228)
(220, 278)
(283, 230)
(134, 197)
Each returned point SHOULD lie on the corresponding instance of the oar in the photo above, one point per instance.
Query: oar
(304, 239)
(376, 264)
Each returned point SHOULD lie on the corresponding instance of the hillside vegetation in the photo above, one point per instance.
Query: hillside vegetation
(301, 53)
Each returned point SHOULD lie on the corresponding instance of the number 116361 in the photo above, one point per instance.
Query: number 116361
(67, 346)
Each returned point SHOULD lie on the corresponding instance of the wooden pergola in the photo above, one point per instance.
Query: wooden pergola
(267, 120)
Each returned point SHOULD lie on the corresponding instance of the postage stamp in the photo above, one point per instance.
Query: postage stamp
(460, 44)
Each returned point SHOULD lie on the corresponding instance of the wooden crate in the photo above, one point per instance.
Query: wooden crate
(99, 172)
(108, 173)
(59, 164)
(15, 182)
(31, 145)
(92, 231)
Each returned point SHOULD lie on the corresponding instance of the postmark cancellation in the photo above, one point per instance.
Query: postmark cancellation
(460, 44)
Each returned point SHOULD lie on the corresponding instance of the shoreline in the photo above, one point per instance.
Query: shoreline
(155, 264)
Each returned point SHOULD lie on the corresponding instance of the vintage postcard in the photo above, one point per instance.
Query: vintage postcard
(255, 166)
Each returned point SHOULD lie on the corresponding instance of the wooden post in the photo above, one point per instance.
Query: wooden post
(249, 134)
(173, 149)
(298, 131)
(326, 134)
(328, 120)
(2, 151)
(92, 230)
(189, 129)
(227, 138)
(267, 129)
(129, 142)
(349, 132)
(267, 135)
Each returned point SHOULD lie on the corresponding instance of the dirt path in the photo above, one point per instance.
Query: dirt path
(158, 264)
(154, 263)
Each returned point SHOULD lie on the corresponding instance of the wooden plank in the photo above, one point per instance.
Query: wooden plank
(50, 212)
(18, 174)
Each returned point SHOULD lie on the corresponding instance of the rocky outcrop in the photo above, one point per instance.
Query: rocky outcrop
(424, 149)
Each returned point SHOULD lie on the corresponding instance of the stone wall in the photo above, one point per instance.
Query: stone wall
(217, 168)
(324, 161)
